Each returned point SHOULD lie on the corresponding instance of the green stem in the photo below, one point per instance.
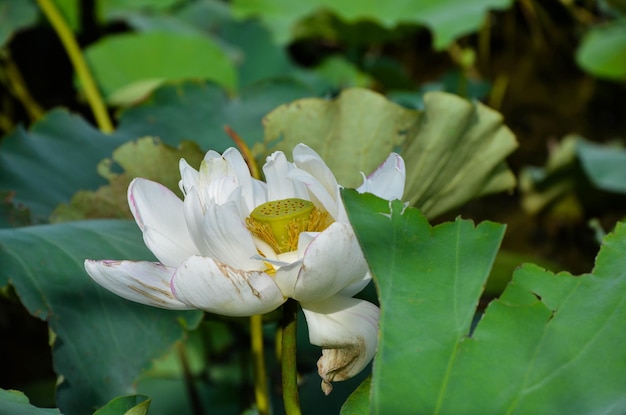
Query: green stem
(18, 86)
(260, 378)
(78, 62)
(484, 45)
(196, 403)
(6, 124)
(288, 358)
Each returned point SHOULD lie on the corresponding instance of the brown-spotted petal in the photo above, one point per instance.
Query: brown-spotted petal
(347, 330)
(139, 281)
(215, 287)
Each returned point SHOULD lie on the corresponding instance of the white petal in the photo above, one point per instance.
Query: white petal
(212, 154)
(305, 158)
(259, 193)
(216, 180)
(237, 163)
(253, 191)
(356, 287)
(169, 252)
(317, 192)
(219, 233)
(342, 215)
(387, 181)
(347, 330)
(220, 289)
(143, 282)
(317, 177)
(220, 190)
(332, 261)
(264, 248)
(188, 176)
(286, 277)
(225, 178)
(158, 209)
(279, 186)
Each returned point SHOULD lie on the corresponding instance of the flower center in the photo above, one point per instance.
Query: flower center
(280, 222)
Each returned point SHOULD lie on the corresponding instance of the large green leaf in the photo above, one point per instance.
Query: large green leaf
(48, 164)
(102, 342)
(429, 283)
(358, 402)
(15, 15)
(453, 149)
(11, 215)
(552, 344)
(128, 66)
(16, 403)
(448, 19)
(353, 133)
(603, 51)
(455, 153)
(199, 111)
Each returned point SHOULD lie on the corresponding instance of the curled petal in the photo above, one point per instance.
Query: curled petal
(252, 190)
(237, 164)
(188, 176)
(159, 214)
(224, 178)
(332, 261)
(142, 282)
(219, 232)
(217, 179)
(307, 159)
(387, 181)
(212, 154)
(318, 179)
(213, 166)
(347, 330)
(220, 190)
(217, 288)
(279, 186)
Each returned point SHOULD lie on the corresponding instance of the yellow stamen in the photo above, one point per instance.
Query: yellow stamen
(270, 269)
(280, 222)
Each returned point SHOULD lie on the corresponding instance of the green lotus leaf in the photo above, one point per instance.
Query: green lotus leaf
(551, 344)
(102, 342)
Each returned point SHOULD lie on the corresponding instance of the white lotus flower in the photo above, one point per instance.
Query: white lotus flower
(237, 246)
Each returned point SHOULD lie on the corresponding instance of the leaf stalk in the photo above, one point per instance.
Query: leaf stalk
(77, 59)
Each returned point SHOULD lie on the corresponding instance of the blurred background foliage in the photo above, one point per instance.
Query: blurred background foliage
(179, 70)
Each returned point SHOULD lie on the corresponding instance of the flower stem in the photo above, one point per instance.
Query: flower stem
(260, 378)
(288, 358)
(194, 398)
(78, 62)
(20, 90)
